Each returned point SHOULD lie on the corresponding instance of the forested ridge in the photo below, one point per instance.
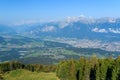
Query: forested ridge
(82, 69)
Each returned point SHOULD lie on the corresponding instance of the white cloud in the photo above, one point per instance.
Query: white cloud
(28, 22)
(48, 29)
(99, 30)
(23, 22)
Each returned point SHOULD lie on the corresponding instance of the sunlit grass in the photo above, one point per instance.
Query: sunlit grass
(27, 75)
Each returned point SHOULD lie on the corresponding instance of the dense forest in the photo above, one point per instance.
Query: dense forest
(89, 69)
(82, 69)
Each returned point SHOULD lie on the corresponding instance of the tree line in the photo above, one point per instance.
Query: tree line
(89, 69)
(13, 65)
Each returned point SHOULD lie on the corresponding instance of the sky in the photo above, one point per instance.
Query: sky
(43, 10)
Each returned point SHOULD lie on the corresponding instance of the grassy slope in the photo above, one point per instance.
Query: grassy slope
(27, 75)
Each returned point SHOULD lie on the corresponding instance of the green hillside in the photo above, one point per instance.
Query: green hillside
(22, 74)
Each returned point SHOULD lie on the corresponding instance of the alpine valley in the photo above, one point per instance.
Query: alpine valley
(49, 42)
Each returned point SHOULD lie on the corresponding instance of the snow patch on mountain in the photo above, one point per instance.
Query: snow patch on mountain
(48, 29)
(111, 20)
(63, 24)
(99, 30)
(111, 30)
(116, 31)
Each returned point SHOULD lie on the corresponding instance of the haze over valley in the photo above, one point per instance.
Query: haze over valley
(59, 40)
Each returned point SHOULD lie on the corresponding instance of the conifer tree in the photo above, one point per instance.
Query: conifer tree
(81, 67)
(72, 75)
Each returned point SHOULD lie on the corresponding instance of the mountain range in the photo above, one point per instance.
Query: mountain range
(71, 38)
(105, 29)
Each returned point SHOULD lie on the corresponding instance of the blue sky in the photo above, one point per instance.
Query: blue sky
(18, 10)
